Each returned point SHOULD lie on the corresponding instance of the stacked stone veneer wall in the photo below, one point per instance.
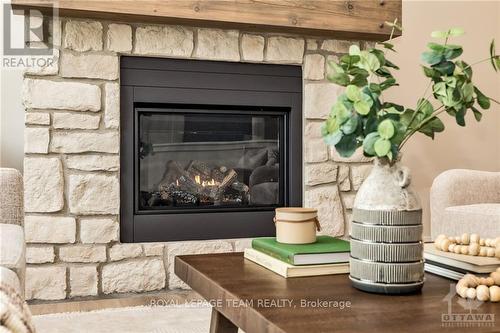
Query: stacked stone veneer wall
(72, 148)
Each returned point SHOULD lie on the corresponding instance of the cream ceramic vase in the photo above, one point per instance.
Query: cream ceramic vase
(386, 232)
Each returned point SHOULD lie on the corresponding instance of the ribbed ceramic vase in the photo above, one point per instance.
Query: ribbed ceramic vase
(386, 232)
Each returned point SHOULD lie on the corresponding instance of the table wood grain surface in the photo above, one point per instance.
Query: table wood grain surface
(250, 297)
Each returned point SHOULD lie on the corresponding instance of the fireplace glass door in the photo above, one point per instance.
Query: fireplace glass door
(209, 159)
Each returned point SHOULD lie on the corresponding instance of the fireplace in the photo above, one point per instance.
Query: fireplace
(208, 149)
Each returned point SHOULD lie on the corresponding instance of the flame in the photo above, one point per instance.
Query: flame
(197, 179)
(208, 183)
(177, 182)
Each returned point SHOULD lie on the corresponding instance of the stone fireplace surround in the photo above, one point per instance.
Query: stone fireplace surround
(71, 165)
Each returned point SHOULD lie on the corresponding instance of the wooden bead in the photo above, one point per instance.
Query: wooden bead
(474, 249)
(470, 293)
(470, 280)
(498, 269)
(464, 249)
(482, 251)
(461, 290)
(496, 277)
(482, 242)
(457, 249)
(494, 293)
(483, 293)
(437, 243)
(458, 240)
(474, 238)
(487, 242)
(490, 252)
(488, 281)
(445, 243)
(451, 248)
(465, 239)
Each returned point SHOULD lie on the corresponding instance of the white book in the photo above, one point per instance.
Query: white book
(286, 270)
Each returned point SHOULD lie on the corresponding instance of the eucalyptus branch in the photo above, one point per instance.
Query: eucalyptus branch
(480, 61)
(424, 122)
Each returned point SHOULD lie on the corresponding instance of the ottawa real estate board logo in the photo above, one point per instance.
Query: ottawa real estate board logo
(27, 35)
(470, 314)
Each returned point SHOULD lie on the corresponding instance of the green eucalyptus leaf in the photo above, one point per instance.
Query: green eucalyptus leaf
(463, 68)
(380, 56)
(439, 34)
(433, 126)
(482, 100)
(341, 112)
(432, 57)
(455, 32)
(388, 83)
(370, 124)
(331, 126)
(395, 106)
(347, 145)
(386, 129)
(429, 72)
(336, 67)
(350, 125)
(468, 92)
(493, 55)
(439, 89)
(353, 93)
(452, 53)
(354, 50)
(444, 67)
(384, 72)
(369, 142)
(424, 106)
(382, 147)
(477, 114)
(436, 47)
(359, 80)
(341, 79)
(349, 60)
(450, 81)
(460, 116)
(333, 138)
(400, 133)
(388, 46)
(368, 61)
(390, 64)
(375, 88)
(362, 107)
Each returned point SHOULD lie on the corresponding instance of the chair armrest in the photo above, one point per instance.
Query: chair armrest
(461, 187)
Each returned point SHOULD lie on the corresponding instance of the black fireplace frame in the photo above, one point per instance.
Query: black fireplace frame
(158, 83)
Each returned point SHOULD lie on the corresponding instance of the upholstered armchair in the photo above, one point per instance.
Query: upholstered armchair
(12, 246)
(465, 201)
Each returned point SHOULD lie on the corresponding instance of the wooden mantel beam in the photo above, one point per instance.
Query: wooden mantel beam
(355, 19)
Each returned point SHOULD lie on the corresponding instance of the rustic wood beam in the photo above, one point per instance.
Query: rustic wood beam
(355, 19)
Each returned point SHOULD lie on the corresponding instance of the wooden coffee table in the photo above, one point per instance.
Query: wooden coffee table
(250, 297)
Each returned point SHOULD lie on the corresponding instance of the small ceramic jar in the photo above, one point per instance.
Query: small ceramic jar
(296, 225)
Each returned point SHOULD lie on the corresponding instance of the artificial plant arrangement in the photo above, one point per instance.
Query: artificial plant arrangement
(386, 229)
(362, 117)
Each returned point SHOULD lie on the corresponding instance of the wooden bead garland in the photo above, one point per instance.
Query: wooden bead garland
(484, 289)
(470, 245)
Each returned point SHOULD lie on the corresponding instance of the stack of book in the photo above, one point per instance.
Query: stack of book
(327, 256)
(454, 266)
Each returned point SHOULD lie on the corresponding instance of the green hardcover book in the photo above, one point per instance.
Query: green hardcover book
(326, 250)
